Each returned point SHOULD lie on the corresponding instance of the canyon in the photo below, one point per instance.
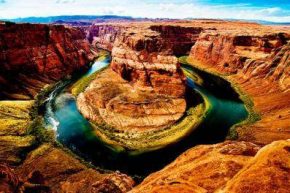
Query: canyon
(143, 92)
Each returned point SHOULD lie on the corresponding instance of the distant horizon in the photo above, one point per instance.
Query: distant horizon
(272, 10)
(127, 17)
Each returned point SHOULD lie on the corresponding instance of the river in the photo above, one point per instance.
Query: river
(76, 133)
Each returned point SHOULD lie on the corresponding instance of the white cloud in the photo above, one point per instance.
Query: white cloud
(65, 1)
(135, 8)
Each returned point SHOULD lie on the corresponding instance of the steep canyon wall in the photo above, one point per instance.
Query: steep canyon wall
(33, 55)
(256, 61)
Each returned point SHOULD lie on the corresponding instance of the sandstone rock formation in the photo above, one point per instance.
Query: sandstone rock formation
(9, 182)
(146, 56)
(257, 61)
(271, 166)
(233, 51)
(132, 119)
(64, 173)
(34, 55)
(252, 57)
(145, 53)
(118, 104)
(103, 35)
(228, 167)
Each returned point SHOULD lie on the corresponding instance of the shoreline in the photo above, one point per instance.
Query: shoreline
(253, 115)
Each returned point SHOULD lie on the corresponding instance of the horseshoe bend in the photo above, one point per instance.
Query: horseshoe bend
(145, 106)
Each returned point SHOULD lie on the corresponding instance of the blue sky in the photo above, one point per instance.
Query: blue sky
(271, 10)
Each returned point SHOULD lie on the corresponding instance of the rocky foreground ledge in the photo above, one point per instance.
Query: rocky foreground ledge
(229, 167)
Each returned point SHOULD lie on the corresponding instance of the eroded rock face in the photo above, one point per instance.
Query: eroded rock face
(117, 103)
(27, 164)
(178, 38)
(30, 166)
(231, 52)
(229, 167)
(33, 55)
(153, 86)
(62, 172)
(145, 53)
(257, 60)
(205, 168)
(146, 56)
(160, 73)
(9, 181)
(269, 170)
(104, 35)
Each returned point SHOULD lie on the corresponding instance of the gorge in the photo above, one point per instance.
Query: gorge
(150, 105)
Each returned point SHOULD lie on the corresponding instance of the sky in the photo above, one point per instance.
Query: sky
(270, 10)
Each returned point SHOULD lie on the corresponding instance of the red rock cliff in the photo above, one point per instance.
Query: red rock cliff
(103, 35)
(146, 56)
(256, 59)
(240, 51)
(145, 53)
(31, 55)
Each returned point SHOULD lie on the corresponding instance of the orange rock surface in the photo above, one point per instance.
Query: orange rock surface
(229, 167)
(145, 53)
(204, 168)
(268, 171)
(118, 104)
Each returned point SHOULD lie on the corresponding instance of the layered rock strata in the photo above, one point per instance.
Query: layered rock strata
(146, 56)
(144, 53)
(121, 106)
(131, 119)
(257, 61)
(254, 57)
(34, 55)
(104, 35)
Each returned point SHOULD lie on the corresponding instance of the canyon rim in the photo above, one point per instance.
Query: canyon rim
(144, 104)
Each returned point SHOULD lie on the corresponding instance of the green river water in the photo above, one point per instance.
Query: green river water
(76, 133)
